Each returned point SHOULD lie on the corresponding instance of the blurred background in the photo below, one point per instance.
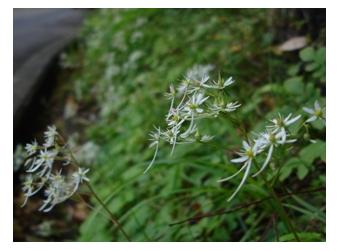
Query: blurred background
(99, 75)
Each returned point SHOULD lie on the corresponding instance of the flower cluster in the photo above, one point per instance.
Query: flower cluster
(40, 174)
(276, 134)
(198, 98)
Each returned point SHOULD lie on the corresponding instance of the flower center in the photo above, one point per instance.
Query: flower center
(272, 138)
(193, 106)
(318, 113)
(280, 123)
(250, 153)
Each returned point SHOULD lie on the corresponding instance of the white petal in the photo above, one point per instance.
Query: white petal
(290, 141)
(269, 156)
(228, 82)
(293, 120)
(245, 145)
(308, 110)
(239, 160)
(153, 160)
(317, 105)
(246, 173)
(232, 176)
(311, 119)
(284, 135)
(288, 117)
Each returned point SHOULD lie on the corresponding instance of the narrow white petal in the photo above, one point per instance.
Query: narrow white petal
(311, 119)
(153, 160)
(239, 160)
(308, 110)
(284, 135)
(235, 174)
(317, 105)
(25, 202)
(246, 173)
(245, 145)
(174, 144)
(269, 156)
(293, 120)
(228, 82)
(288, 117)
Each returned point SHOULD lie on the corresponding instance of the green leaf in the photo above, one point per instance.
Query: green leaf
(320, 56)
(294, 85)
(302, 171)
(289, 166)
(307, 54)
(311, 66)
(313, 151)
(293, 70)
(304, 236)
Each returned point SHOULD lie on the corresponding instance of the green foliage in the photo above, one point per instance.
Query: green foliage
(313, 151)
(303, 162)
(315, 62)
(126, 61)
(304, 236)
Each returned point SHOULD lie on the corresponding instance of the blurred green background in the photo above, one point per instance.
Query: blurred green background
(109, 94)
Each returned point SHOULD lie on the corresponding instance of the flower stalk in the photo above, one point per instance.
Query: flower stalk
(112, 218)
(278, 205)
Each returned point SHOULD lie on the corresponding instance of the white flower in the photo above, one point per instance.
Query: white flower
(230, 107)
(30, 187)
(174, 118)
(86, 154)
(199, 72)
(155, 138)
(58, 191)
(192, 129)
(45, 159)
(246, 156)
(193, 106)
(58, 187)
(220, 84)
(50, 135)
(317, 112)
(182, 88)
(27, 188)
(206, 138)
(32, 148)
(79, 177)
(270, 139)
(171, 94)
(281, 124)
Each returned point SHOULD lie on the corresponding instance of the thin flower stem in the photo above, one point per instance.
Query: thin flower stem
(276, 230)
(281, 211)
(115, 221)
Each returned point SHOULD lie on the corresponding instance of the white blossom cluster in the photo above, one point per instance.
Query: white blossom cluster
(276, 134)
(57, 186)
(196, 98)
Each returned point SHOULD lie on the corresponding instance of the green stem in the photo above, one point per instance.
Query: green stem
(281, 211)
(112, 218)
(108, 211)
